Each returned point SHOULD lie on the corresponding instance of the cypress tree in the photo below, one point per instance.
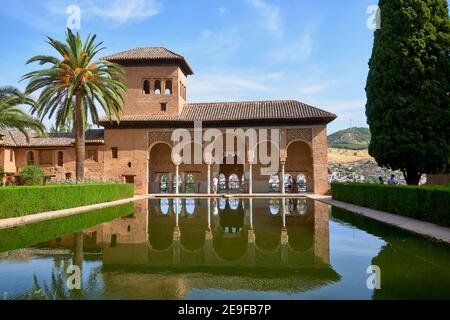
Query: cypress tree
(408, 101)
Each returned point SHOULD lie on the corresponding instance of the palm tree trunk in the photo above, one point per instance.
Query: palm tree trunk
(79, 140)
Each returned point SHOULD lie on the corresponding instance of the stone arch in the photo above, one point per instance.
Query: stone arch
(160, 163)
(300, 161)
(261, 182)
(195, 171)
(229, 169)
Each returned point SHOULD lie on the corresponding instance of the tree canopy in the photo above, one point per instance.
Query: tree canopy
(408, 102)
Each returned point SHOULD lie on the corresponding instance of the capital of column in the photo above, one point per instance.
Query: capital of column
(283, 156)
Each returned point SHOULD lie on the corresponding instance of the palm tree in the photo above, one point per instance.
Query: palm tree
(74, 85)
(12, 116)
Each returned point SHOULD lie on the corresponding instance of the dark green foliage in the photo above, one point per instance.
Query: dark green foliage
(21, 201)
(32, 175)
(31, 234)
(429, 203)
(408, 102)
(351, 138)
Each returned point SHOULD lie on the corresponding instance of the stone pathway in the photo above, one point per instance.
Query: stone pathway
(423, 228)
(38, 217)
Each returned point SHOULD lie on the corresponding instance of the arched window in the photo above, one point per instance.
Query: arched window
(190, 206)
(157, 87)
(233, 182)
(30, 158)
(301, 182)
(234, 204)
(164, 206)
(274, 206)
(222, 203)
(274, 183)
(168, 88)
(302, 206)
(222, 182)
(146, 88)
(60, 158)
(164, 184)
(288, 182)
(190, 183)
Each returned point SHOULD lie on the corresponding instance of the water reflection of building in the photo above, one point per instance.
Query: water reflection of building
(210, 235)
(220, 232)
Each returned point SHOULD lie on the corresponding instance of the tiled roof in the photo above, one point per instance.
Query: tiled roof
(14, 138)
(149, 54)
(235, 111)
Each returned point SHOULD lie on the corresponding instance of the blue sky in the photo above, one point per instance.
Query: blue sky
(314, 51)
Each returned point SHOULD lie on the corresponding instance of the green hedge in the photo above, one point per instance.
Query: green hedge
(21, 201)
(429, 203)
(34, 233)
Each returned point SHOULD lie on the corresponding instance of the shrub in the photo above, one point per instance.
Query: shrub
(429, 203)
(2, 174)
(24, 200)
(32, 175)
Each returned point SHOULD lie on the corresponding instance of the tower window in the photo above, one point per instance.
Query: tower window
(168, 89)
(115, 152)
(157, 87)
(163, 106)
(146, 88)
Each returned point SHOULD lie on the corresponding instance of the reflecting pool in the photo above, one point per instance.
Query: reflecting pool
(220, 249)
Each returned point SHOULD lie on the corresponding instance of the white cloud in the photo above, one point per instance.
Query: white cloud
(223, 10)
(226, 86)
(299, 50)
(312, 89)
(214, 46)
(271, 16)
(115, 11)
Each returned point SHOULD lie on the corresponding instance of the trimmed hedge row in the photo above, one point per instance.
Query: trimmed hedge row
(21, 201)
(33, 233)
(429, 203)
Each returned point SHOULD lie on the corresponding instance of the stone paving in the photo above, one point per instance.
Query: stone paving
(423, 228)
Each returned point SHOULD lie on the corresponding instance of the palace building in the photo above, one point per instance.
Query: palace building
(138, 148)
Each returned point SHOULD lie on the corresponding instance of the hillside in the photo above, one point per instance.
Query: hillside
(351, 138)
(340, 156)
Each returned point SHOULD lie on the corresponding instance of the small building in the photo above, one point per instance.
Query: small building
(138, 149)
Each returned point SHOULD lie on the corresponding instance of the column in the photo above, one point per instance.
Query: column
(284, 241)
(283, 187)
(177, 185)
(250, 179)
(250, 159)
(208, 180)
